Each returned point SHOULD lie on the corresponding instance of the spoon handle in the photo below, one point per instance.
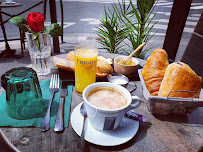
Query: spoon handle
(82, 138)
(136, 50)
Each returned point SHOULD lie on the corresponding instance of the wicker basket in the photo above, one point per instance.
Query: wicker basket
(170, 105)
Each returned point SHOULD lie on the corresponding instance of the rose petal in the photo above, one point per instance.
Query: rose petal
(36, 21)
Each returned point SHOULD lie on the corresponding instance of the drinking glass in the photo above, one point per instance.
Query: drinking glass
(23, 93)
(40, 51)
(85, 66)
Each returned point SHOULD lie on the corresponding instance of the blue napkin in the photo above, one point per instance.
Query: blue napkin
(5, 120)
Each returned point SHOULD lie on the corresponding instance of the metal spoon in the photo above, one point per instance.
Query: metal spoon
(84, 113)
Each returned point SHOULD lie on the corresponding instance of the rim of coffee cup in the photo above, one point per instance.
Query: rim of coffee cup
(127, 94)
(123, 57)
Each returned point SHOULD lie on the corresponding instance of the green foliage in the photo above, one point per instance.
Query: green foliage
(35, 36)
(54, 30)
(19, 21)
(139, 20)
(111, 33)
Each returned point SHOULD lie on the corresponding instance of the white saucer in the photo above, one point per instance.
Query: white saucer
(120, 135)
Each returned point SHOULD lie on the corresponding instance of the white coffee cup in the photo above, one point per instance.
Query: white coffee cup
(108, 119)
(9, 1)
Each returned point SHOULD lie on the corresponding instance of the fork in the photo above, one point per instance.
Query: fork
(53, 88)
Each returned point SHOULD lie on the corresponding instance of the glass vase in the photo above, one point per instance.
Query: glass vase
(40, 52)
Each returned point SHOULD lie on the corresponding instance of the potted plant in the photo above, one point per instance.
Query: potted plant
(136, 23)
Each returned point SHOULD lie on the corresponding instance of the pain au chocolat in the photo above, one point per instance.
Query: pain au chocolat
(179, 76)
(154, 69)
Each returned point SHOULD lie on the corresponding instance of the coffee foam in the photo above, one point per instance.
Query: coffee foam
(106, 98)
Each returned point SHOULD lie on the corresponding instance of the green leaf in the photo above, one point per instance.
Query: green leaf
(19, 22)
(54, 30)
(111, 32)
(44, 30)
(137, 18)
(35, 35)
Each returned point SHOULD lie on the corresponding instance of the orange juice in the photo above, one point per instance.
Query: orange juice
(85, 68)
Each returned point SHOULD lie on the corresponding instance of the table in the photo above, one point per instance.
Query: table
(156, 134)
(8, 52)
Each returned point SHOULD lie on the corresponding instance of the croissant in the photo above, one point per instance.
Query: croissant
(154, 69)
(179, 76)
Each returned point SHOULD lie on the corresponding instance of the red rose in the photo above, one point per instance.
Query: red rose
(35, 21)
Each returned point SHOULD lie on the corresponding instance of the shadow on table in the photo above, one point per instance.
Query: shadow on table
(54, 109)
(138, 137)
(35, 110)
(194, 118)
(4, 146)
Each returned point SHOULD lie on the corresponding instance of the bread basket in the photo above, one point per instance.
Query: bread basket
(170, 105)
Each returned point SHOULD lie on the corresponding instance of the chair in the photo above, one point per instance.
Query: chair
(22, 34)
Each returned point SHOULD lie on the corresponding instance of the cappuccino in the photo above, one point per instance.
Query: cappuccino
(106, 98)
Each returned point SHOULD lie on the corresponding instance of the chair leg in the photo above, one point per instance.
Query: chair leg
(21, 41)
(61, 3)
(45, 8)
(24, 40)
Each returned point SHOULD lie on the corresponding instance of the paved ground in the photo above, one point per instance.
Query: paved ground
(81, 17)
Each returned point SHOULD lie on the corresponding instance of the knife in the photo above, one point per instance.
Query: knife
(67, 78)
(59, 123)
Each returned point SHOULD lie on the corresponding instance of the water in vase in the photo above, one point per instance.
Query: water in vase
(41, 62)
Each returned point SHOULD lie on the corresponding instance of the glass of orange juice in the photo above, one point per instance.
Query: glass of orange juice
(85, 66)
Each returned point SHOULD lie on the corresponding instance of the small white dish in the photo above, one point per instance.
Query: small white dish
(118, 136)
(9, 2)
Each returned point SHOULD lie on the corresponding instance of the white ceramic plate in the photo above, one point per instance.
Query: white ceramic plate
(120, 135)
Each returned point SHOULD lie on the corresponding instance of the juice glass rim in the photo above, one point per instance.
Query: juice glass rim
(88, 46)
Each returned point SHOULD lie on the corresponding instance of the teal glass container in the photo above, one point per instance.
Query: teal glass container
(23, 93)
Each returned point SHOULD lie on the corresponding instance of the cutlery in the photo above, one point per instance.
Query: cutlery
(84, 113)
(124, 61)
(59, 123)
(53, 88)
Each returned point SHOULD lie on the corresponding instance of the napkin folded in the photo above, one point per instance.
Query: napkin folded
(5, 120)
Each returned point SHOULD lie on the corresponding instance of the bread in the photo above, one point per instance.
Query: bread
(64, 64)
(179, 76)
(154, 69)
(105, 59)
(70, 56)
(103, 67)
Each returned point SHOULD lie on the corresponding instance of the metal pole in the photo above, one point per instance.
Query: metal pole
(176, 25)
(52, 6)
(45, 8)
(61, 20)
